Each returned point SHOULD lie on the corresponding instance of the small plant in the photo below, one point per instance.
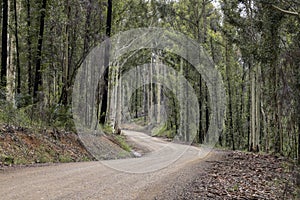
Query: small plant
(121, 141)
(44, 158)
(64, 158)
(20, 161)
(107, 129)
(7, 113)
(7, 160)
(85, 159)
(159, 131)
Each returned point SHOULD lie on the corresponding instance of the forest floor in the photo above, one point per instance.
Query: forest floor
(240, 175)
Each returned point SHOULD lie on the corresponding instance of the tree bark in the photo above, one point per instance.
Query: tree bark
(10, 74)
(38, 73)
(257, 109)
(299, 141)
(103, 110)
(253, 111)
(228, 71)
(17, 49)
(29, 57)
(4, 53)
(65, 80)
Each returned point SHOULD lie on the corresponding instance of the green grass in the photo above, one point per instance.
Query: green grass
(107, 129)
(163, 131)
(122, 142)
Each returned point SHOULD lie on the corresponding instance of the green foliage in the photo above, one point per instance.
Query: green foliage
(61, 117)
(43, 158)
(121, 140)
(106, 128)
(7, 160)
(64, 158)
(34, 116)
(20, 161)
(7, 113)
(163, 131)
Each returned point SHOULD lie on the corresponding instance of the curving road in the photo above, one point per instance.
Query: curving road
(135, 178)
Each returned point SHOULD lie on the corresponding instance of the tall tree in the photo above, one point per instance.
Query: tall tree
(38, 63)
(4, 53)
(29, 48)
(17, 49)
(106, 64)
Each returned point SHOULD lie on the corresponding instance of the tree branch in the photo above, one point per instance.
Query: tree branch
(286, 11)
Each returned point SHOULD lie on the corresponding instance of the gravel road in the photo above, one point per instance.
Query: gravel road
(166, 165)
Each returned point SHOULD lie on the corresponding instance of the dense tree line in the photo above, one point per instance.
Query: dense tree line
(254, 44)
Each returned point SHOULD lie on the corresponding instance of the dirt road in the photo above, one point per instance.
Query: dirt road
(135, 178)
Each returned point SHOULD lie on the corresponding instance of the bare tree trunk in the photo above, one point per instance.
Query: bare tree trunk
(158, 118)
(253, 111)
(119, 106)
(65, 67)
(103, 111)
(228, 75)
(257, 109)
(187, 128)
(10, 87)
(150, 94)
(29, 57)
(38, 73)
(299, 141)
(249, 109)
(201, 132)
(145, 100)
(17, 49)
(4, 53)
(181, 95)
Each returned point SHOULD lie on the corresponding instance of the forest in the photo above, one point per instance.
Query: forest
(254, 44)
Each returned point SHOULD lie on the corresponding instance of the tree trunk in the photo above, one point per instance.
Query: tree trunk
(29, 57)
(17, 49)
(228, 74)
(103, 110)
(257, 109)
(253, 111)
(38, 73)
(4, 53)
(187, 127)
(299, 141)
(10, 84)
(158, 118)
(182, 130)
(65, 70)
(249, 109)
(201, 132)
(206, 114)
